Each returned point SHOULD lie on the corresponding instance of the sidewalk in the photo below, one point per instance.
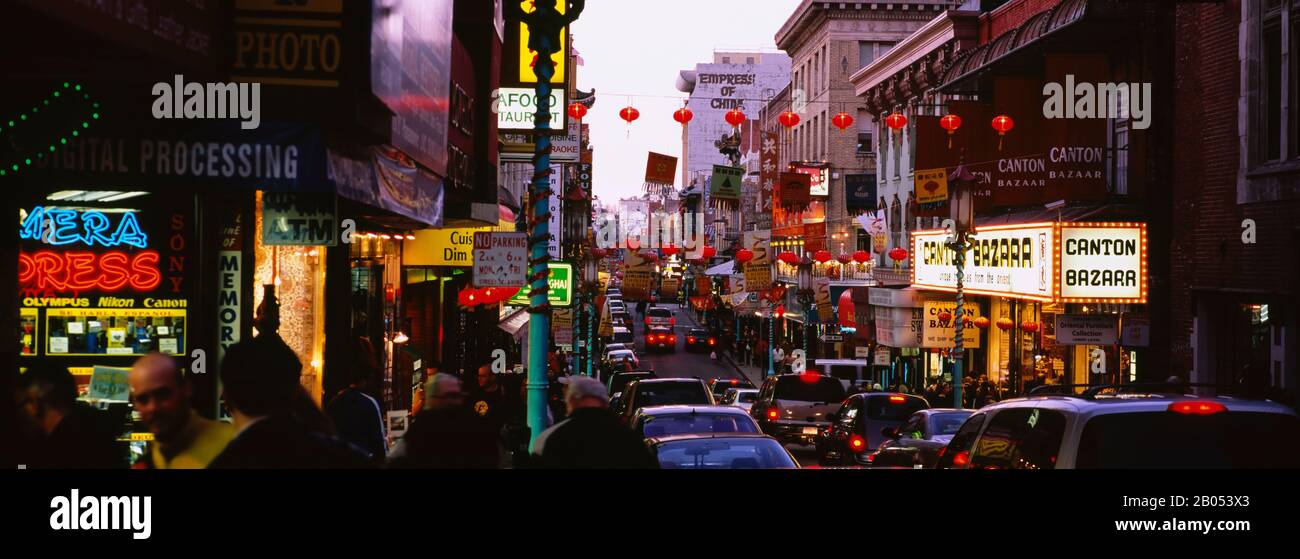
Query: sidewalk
(751, 373)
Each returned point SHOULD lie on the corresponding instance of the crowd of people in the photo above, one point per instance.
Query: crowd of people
(275, 423)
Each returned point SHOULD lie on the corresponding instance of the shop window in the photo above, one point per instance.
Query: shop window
(298, 274)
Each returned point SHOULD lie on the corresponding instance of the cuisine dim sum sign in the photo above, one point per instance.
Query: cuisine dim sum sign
(1048, 262)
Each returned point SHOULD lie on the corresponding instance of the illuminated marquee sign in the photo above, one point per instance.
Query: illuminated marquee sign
(64, 227)
(1048, 262)
(86, 271)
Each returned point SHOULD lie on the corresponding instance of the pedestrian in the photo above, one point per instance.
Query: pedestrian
(182, 439)
(355, 413)
(447, 433)
(68, 433)
(592, 436)
(273, 427)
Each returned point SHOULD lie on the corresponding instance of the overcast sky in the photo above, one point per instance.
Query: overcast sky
(637, 49)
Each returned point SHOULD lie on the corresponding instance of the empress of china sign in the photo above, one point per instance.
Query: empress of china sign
(1050, 262)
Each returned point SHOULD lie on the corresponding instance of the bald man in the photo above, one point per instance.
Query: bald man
(182, 438)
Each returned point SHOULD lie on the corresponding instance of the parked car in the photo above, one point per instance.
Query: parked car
(719, 386)
(660, 316)
(619, 381)
(621, 335)
(663, 421)
(732, 451)
(698, 339)
(617, 360)
(742, 398)
(794, 408)
(920, 440)
(660, 338)
(663, 392)
(622, 319)
(1126, 427)
(862, 424)
(615, 347)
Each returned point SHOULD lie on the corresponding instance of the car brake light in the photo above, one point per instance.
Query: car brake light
(690, 340)
(672, 339)
(713, 341)
(647, 320)
(897, 399)
(672, 320)
(857, 442)
(734, 381)
(773, 413)
(1197, 408)
(961, 458)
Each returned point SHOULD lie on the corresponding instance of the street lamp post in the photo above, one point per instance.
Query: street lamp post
(546, 25)
(806, 298)
(963, 217)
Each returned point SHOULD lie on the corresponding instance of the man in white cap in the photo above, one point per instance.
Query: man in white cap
(592, 436)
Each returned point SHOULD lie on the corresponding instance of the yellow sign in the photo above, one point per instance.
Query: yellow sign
(115, 313)
(939, 333)
(931, 186)
(441, 247)
(526, 56)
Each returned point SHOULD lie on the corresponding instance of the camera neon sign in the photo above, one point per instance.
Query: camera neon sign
(86, 270)
(64, 227)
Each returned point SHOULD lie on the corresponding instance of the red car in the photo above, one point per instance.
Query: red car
(660, 338)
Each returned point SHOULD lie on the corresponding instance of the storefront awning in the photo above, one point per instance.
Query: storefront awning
(978, 60)
(515, 324)
(1067, 214)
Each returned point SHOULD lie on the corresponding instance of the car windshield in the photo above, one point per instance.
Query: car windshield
(755, 453)
(1173, 440)
(947, 423)
(690, 423)
(620, 381)
(659, 313)
(746, 397)
(670, 393)
(698, 334)
(890, 408)
(806, 389)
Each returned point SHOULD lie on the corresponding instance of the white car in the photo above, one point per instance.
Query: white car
(621, 336)
(615, 359)
(742, 398)
(1126, 427)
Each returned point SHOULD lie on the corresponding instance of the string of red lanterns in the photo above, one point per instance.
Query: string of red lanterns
(629, 113)
(735, 118)
(683, 115)
(842, 121)
(951, 123)
(1003, 124)
(577, 111)
(788, 119)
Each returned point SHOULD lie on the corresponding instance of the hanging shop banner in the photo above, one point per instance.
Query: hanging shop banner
(560, 282)
(1136, 331)
(758, 271)
(794, 191)
(725, 183)
(584, 178)
(822, 293)
(299, 219)
(940, 333)
(1087, 329)
(637, 277)
(562, 327)
(517, 108)
(882, 357)
(819, 178)
(1103, 261)
(1004, 260)
(898, 327)
(500, 259)
(769, 175)
(860, 192)
(230, 284)
(660, 169)
(931, 186)
(814, 237)
(879, 243)
(567, 148)
(556, 207)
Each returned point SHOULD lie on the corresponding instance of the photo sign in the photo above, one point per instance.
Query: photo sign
(500, 259)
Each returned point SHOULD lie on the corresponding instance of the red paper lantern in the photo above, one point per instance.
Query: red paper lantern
(1003, 124)
(788, 119)
(629, 114)
(861, 256)
(844, 258)
(577, 111)
(709, 252)
(744, 255)
(1005, 323)
(789, 258)
(945, 317)
(847, 310)
(735, 117)
(683, 115)
(896, 121)
(981, 322)
(469, 297)
(898, 254)
(823, 256)
(1029, 326)
(950, 123)
(670, 250)
(842, 121)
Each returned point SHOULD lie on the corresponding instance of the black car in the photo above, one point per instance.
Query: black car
(619, 381)
(661, 339)
(719, 386)
(698, 339)
(663, 392)
(921, 439)
(862, 424)
(794, 408)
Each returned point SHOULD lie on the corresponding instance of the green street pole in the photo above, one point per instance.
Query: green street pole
(546, 25)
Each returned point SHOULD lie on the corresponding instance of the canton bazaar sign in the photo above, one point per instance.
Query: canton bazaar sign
(1048, 262)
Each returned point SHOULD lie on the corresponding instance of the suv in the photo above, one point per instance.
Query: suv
(862, 424)
(795, 408)
(660, 338)
(663, 392)
(660, 316)
(1107, 427)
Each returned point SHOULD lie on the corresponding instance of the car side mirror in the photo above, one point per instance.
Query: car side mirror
(890, 432)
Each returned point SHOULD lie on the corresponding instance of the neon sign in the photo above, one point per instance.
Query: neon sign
(83, 270)
(92, 228)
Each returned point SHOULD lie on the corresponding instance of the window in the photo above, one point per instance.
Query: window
(849, 412)
(914, 428)
(820, 389)
(726, 60)
(1117, 169)
(866, 53)
(683, 424)
(885, 408)
(1274, 47)
(749, 60)
(1170, 440)
(957, 455)
(1020, 439)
